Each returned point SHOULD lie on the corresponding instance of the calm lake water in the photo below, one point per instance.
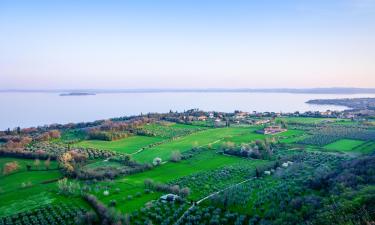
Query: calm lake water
(33, 109)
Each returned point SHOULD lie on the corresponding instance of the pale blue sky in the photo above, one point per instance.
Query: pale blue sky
(187, 44)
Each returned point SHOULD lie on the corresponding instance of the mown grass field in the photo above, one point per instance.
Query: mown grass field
(126, 145)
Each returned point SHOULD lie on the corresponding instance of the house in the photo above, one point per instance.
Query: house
(272, 130)
(260, 122)
(241, 115)
(169, 198)
(326, 113)
(202, 118)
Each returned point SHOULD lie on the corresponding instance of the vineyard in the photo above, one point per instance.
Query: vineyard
(52, 214)
(206, 182)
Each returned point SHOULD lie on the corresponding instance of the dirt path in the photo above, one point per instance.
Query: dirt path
(210, 196)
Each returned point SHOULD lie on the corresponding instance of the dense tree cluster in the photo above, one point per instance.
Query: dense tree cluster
(175, 189)
(259, 149)
(107, 135)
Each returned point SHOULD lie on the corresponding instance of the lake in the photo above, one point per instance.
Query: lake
(33, 109)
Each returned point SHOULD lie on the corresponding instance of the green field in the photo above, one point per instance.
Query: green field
(201, 138)
(14, 181)
(252, 136)
(126, 145)
(365, 148)
(23, 162)
(238, 178)
(344, 145)
(309, 120)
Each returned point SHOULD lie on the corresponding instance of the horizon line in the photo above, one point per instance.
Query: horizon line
(316, 90)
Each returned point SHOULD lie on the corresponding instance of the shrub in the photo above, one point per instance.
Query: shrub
(157, 161)
(112, 203)
(68, 188)
(149, 183)
(185, 192)
(10, 167)
(176, 156)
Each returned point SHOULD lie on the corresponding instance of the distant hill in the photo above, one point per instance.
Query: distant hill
(354, 103)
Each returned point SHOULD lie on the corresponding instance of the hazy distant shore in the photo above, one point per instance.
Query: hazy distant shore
(210, 90)
(76, 94)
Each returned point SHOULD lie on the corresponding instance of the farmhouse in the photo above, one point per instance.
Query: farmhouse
(169, 198)
(260, 122)
(241, 115)
(272, 130)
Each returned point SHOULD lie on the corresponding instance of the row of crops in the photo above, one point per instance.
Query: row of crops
(169, 131)
(215, 216)
(267, 197)
(58, 149)
(158, 213)
(52, 214)
(329, 135)
(206, 182)
(170, 213)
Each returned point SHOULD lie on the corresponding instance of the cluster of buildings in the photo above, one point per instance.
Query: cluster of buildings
(272, 130)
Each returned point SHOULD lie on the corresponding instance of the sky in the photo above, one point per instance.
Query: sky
(82, 44)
